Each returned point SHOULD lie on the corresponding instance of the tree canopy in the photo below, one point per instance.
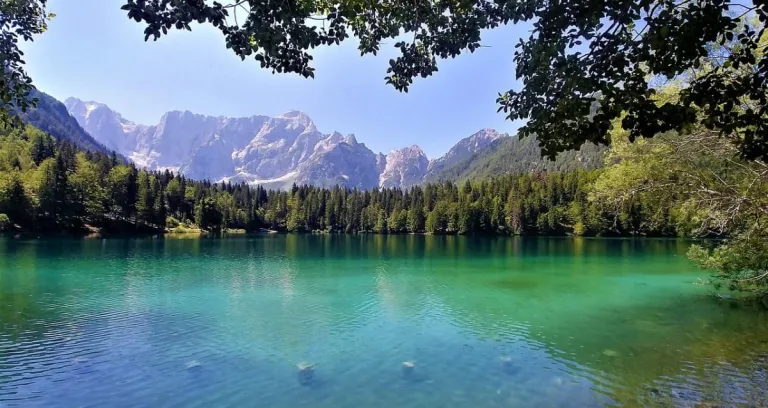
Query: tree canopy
(586, 63)
(19, 19)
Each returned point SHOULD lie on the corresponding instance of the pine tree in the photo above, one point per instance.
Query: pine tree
(416, 219)
(121, 191)
(54, 193)
(431, 224)
(381, 222)
(15, 203)
(88, 189)
(43, 147)
(145, 203)
(294, 223)
(513, 213)
(159, 208)
(465, 216)
(207, 216)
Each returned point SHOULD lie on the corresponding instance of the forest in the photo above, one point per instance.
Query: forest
(46, 185)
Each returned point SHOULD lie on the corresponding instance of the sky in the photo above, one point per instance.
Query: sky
(93, 52)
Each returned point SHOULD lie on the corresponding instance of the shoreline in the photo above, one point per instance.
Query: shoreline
(198, 233)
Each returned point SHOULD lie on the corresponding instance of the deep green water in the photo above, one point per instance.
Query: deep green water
(522, 322)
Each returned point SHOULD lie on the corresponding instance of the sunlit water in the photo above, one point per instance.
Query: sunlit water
(522, 322)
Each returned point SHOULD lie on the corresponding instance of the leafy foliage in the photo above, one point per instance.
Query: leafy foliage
(585, 65)
(628, 44)
(5, 222)
(704, 185)
(742, 262)
(705, 189)
(19, 19)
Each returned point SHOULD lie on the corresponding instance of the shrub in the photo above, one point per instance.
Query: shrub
(5, 222)
(171, 222)
(579, 229)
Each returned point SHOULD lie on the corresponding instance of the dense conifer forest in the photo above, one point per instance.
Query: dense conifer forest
(46, 185)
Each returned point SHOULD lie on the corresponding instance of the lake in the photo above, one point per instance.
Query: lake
(481, 322)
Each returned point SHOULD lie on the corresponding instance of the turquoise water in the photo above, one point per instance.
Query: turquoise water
(526, 322)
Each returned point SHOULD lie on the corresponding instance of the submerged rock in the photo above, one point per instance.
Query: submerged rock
(508, 365)
(306, 372)
(610, 353)
(193, 364)
(407, 368)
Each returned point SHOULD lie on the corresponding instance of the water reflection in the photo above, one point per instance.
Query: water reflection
(486, 321)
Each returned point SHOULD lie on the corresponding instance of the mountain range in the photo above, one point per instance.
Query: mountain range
(279, 151)
(272, 151)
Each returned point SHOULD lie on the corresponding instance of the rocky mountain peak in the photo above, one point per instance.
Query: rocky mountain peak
(180, 116)
(98, 118)
(487, 133)
(414, 150)
(75, 106)
(350, 139)
(295, 114)
(298, 119)
(404, 167)
(82, 110)
(335, 137)
(272, 151)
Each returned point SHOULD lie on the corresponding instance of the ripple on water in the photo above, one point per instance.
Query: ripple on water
(203, 324)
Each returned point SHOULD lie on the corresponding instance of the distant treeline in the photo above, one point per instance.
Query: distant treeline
(50, 186)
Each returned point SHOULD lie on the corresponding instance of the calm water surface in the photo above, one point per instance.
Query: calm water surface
(523, 322)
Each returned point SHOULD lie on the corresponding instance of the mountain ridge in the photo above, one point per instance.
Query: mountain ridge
(277, 152)
(274, 151)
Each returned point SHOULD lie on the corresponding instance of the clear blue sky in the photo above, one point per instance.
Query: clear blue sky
(93, 52)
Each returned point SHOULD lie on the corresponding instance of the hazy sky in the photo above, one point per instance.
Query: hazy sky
(93, 52)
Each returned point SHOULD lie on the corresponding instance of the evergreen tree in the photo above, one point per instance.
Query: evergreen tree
(431, 223)
(15, 203)
(416, 219)
(145, 203)
(159, 208)
(295, 220)
(54, 193)
(381, 222)
(42, 147)
(121, 187)
(89, 194)
(207, 216)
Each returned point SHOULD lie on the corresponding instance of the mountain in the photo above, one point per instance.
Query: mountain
(345, 163)
(274, 152)
(99, 118)
(279, 151)
(404, 167)
(52, 117)
(510, 155)
(463, 150)
(168, 145)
